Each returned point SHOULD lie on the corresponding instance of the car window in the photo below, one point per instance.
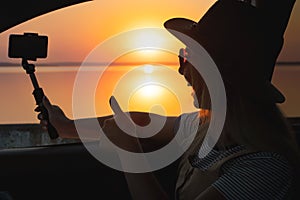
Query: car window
(74, 32)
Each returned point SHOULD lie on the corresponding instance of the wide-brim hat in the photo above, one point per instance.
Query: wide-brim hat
(238, 39)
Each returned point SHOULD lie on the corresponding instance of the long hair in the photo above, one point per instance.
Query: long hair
(262, 126)
(259, 125)
(252, 121)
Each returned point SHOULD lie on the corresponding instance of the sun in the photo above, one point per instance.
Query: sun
(148, 38)
(147, 45)
(150, 88)
(156, 98)
(149, 91)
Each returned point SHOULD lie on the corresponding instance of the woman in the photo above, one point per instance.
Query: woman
(256, 138)
(257, 156)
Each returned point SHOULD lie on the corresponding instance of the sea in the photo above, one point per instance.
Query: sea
(18, 120)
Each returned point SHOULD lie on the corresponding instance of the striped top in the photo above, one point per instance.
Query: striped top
(259, 176)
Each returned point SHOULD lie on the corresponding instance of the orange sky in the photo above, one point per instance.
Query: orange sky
(75, 31)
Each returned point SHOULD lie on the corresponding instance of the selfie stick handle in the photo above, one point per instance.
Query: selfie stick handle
(38, 94)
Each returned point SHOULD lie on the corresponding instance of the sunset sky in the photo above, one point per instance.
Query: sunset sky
(74, 32)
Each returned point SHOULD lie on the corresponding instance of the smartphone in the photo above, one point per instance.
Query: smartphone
(29, 46)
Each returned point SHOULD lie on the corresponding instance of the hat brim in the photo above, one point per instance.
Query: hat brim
(182, 27)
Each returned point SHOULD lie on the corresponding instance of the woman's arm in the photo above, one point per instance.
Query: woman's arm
(65, 126)
(141, 185)
(67, 129)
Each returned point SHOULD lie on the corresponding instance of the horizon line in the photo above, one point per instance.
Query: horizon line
(78, 63)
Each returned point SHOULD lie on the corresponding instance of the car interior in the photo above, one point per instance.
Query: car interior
(68, 170)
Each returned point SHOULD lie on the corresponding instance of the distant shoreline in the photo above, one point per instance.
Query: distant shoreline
(54, 64)
(294, 119)
(288, 63)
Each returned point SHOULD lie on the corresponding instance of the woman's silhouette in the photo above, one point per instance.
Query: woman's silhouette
(257, 156)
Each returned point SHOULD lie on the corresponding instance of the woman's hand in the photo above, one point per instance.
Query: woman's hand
(121, 130)
(56, 117)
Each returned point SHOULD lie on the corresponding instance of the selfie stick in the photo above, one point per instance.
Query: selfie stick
(38, 94)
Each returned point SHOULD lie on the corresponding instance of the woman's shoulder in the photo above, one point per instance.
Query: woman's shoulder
(260, 162)
(261, 156)
(257, 174)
